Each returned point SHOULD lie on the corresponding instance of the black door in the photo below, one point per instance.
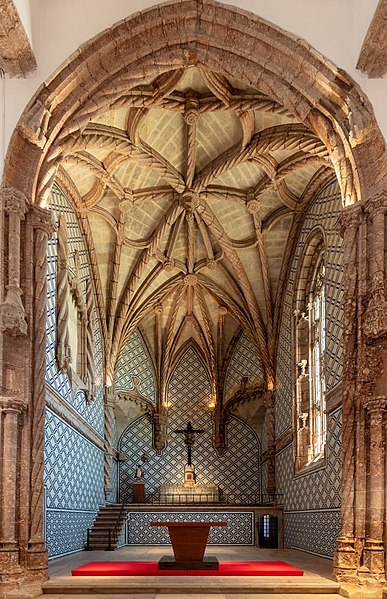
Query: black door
(268, 532)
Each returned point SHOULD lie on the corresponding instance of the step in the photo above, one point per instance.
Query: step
(125, 595)
(201, 585)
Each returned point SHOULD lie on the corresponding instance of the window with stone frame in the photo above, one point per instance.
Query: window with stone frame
(309, 335)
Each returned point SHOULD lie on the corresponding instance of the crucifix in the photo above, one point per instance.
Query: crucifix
(189, 439)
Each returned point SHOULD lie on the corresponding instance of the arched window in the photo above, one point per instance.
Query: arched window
(310, 403)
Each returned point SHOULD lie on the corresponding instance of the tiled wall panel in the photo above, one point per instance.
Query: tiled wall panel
(308, 496)
(242, 364)
(237, 471)
(135, 362)
(239, 529)
(74, 485)
(73, 465)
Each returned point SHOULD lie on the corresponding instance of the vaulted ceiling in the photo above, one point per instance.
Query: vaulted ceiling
(191, 189)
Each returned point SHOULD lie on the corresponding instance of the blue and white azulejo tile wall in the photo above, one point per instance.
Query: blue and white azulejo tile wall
(239, 529)
(74, 485)
(312, 500)
(237, 471)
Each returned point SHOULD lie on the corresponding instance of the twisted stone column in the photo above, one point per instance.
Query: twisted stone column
(90, 343)
(268, 399)
(42, 224)
(110, 400)
(375, 324)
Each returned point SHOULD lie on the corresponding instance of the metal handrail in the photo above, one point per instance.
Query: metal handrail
(112, 531)
(257, 499)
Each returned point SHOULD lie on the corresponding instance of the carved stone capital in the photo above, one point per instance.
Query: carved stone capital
(376, 204)
(44, 220)
(349, 218)
(12, 315)
(159, 423)
(10, 404)
(14, 201)
(376, 403)
(110, 396)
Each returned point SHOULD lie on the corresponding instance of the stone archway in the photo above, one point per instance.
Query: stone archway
(235, 43)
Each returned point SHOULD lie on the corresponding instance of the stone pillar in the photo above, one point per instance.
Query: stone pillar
(373, 558)
(346, 559)
(41, 226)
(11, 409)
(110, 400)
(375, 324)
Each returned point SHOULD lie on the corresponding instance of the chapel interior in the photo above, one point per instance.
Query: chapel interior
(193, 312)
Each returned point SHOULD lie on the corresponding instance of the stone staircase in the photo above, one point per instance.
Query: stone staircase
(106, 531)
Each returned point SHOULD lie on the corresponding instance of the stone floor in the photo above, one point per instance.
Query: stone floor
(317, 582)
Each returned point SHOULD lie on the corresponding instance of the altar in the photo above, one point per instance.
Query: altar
(194, 493)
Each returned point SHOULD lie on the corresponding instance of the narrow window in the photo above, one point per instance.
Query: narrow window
(309, 334)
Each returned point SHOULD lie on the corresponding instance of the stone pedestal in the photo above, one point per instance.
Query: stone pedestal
(138, 492)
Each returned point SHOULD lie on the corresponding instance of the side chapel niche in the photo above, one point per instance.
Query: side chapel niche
(309, 317)
(74, 319)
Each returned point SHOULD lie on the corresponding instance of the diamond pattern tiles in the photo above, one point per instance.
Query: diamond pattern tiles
(323, 213)
(239, 530)
(243, 363)
(93, 414)
(73, 481)
(312, 501)
(314, 532)
(66, 531)
(73, 467)
(320, 489)
(236, 472)
(135, 361)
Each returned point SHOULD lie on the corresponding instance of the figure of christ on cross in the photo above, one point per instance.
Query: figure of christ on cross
(189, 439)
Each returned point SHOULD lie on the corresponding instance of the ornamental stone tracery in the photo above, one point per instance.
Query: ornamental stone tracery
(94, 158)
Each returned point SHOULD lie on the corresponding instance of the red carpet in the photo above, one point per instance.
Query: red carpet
(151, 569)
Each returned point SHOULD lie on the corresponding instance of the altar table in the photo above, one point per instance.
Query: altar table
(189, 540)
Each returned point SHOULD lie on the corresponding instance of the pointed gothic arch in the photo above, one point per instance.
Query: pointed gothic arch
(229, 41)
(207, 34)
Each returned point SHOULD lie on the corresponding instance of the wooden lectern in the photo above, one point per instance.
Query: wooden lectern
(189, 540)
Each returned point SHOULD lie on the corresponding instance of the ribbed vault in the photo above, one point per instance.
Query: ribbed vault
(191, 139)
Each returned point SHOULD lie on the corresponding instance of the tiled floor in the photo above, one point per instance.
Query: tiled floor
(317, 574)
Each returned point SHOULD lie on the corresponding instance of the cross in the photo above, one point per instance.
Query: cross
(189, 437)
